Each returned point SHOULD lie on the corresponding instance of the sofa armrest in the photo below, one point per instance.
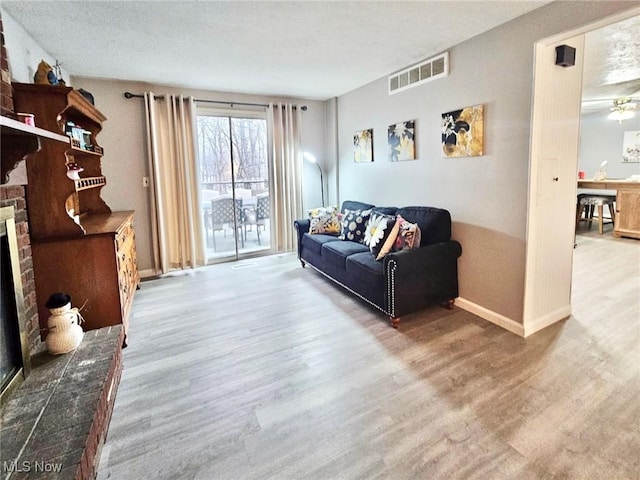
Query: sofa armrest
(415, 276)
(302, 226)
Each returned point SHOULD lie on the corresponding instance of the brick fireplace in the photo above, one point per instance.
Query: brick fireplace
(54, 423)
(14, 196)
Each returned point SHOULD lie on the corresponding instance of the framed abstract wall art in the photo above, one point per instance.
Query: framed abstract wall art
(631, 147)
(363, 146)
(463, 132)
(401, 141)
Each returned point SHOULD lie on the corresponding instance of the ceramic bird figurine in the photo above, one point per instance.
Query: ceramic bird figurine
(45, 75)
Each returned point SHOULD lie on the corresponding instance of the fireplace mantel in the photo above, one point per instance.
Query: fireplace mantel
(18, 141)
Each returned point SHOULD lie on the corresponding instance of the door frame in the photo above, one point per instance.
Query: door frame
(230, 113)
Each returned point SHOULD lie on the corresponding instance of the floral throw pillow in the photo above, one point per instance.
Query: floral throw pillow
(409, 235)
(354, 225)
(389, 242)
(378, 230)
(324, 220)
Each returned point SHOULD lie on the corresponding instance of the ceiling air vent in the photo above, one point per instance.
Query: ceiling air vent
(420, 73)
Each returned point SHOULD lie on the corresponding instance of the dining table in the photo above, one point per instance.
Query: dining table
(627, 223)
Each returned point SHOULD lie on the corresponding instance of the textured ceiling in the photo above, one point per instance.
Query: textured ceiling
(612, 64)
(300, 48)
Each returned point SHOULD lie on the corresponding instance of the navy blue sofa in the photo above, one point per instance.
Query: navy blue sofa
(402, 282)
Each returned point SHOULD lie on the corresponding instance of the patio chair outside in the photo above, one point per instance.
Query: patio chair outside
(224, 215)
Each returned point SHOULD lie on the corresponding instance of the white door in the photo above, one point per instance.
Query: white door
(552, 189)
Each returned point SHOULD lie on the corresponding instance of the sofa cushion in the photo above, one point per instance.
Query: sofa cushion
(355, 205)
(354, 223)
(324, 220)
(336, 253)
(434, 223)
(364, 267)
(314, 242)
(386, 210)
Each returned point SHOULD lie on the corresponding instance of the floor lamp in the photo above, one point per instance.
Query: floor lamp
(312, 159)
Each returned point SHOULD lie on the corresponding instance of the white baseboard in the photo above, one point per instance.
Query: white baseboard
(546, 320)
(491, 316)
(512, 325)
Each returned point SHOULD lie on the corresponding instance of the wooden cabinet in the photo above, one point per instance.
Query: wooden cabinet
(627, 222)
(80, 247)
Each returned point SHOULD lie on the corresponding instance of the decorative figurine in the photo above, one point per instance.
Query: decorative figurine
(73, 170)
(61, 82)
(65, 333)
(45, 75)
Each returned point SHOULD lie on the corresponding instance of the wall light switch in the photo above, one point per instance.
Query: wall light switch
(145, 181)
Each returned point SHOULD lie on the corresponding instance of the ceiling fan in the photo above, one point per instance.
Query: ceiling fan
(623, 106)
(623, 109)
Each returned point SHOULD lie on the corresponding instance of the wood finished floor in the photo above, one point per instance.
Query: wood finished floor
(265, 370)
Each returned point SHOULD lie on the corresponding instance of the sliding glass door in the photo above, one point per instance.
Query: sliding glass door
(236, 207)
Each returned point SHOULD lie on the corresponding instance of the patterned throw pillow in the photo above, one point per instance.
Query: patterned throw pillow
(378, 230)
(409, 235)
(324, 220)
(354, 224)
(390, 241)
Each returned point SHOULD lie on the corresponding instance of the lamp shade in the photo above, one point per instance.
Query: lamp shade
(621, 114)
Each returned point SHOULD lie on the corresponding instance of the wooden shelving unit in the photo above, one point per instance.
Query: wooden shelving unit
(80, 247)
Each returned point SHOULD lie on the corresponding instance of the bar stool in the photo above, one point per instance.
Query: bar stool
(588, 202)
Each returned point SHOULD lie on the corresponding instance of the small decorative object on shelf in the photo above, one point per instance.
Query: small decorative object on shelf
(27, 118)
(73, 170)
(45, 75)
(65, 333)
(88, 96)
(61, 82)
(80, 138)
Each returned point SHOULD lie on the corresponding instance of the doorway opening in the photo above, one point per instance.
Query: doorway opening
(553, 181)
(234, 184)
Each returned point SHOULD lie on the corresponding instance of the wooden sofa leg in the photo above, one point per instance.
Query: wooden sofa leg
(395, 322)
(449, 303)
(302, 263)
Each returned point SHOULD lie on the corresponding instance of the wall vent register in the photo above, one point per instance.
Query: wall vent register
(426, 71)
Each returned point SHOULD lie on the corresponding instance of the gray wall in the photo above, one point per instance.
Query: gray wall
(601, 139)
(487, 196)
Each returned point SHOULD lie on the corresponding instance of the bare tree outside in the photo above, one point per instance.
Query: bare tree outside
(248, 138)
(232, 155)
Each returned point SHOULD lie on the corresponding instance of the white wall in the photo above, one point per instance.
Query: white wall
(125, 161)
(487, 196)
(601, 139)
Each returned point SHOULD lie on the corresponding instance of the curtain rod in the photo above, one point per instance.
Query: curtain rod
(135, 95)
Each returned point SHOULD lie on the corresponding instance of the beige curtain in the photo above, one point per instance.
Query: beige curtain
(284, 122)
(175, 194)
